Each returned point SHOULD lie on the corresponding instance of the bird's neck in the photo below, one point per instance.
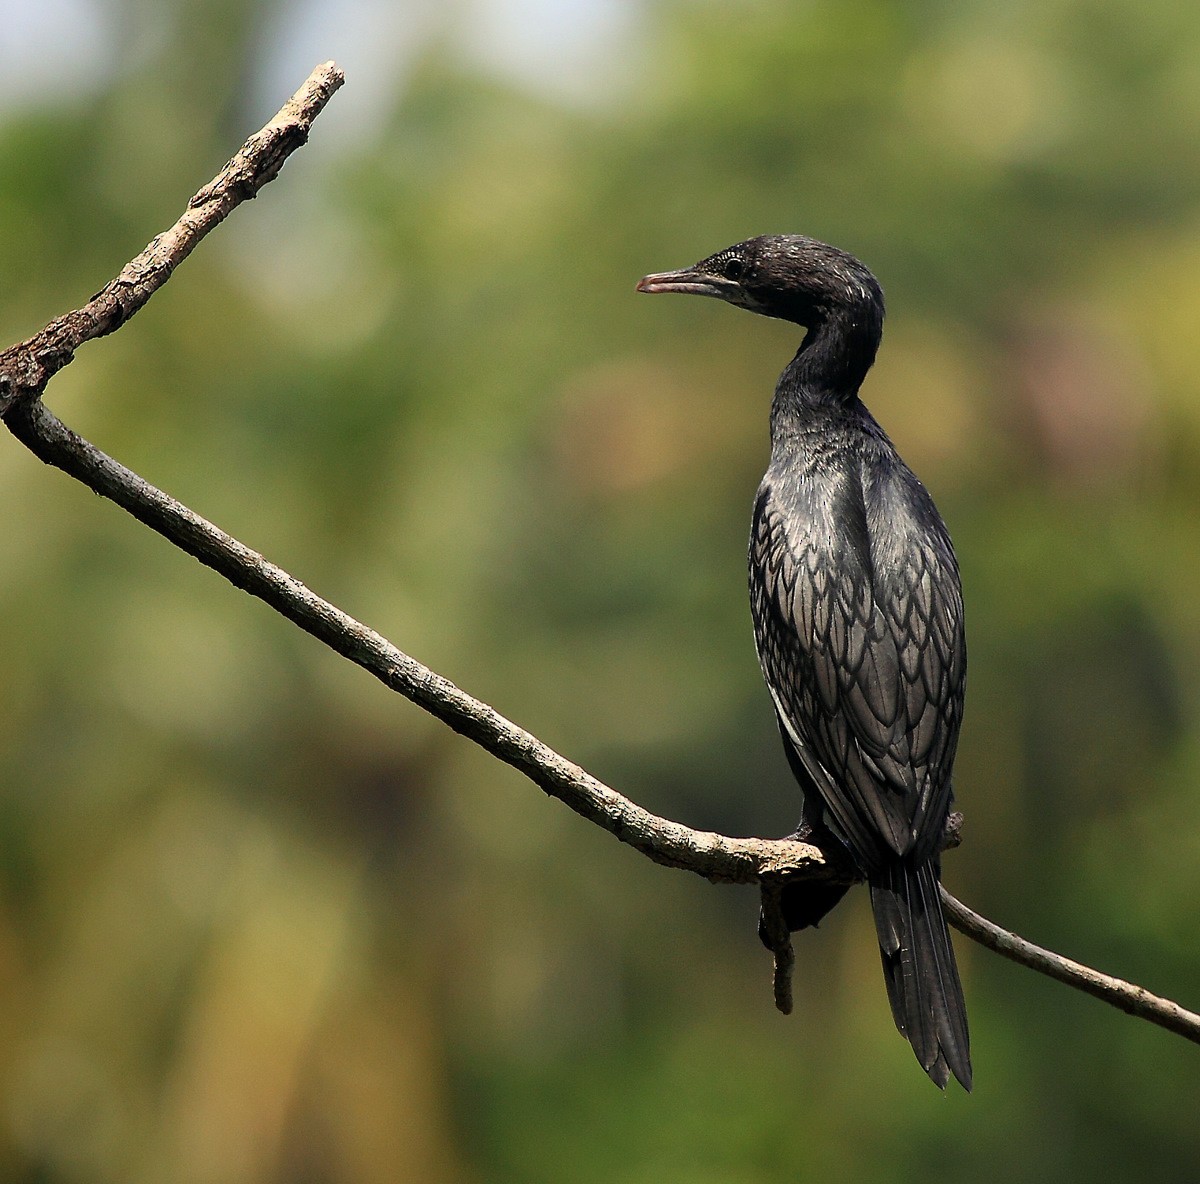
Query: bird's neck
(832, 362)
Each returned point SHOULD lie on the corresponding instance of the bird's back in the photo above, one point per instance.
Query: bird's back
(857, 613)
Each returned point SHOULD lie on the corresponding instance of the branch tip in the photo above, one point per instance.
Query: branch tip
(27, 367)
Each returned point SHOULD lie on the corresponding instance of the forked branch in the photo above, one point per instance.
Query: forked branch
(27, 367)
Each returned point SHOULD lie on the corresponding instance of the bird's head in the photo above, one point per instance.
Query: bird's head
(787, 276)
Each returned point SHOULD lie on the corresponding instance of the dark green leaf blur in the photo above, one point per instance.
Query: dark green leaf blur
(262, 921)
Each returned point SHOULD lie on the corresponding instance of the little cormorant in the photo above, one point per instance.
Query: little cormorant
(858, 620)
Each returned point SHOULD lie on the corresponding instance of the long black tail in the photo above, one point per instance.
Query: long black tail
(918, 965)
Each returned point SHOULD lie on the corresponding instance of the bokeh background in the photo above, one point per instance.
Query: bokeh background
(261, 920)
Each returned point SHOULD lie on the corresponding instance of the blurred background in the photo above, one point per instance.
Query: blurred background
(261, 920)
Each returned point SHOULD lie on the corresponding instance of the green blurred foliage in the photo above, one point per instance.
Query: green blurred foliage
(262, 921)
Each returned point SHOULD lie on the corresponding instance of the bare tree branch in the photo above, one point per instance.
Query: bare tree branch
(27, 367)
(715, 856)
(1127, 996)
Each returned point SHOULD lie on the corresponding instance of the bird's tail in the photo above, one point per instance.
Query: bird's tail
(919, 967)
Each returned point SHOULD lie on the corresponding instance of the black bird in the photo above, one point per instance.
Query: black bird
(858, 619)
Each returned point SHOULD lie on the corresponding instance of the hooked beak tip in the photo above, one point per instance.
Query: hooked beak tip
(687, 280)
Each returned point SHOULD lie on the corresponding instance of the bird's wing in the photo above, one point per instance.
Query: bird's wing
(866, 674)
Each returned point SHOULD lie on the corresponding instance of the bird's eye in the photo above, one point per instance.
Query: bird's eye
(733, 268)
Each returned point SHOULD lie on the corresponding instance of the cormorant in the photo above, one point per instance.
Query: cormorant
(858, 620)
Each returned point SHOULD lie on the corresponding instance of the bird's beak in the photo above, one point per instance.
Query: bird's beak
(690, 280)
